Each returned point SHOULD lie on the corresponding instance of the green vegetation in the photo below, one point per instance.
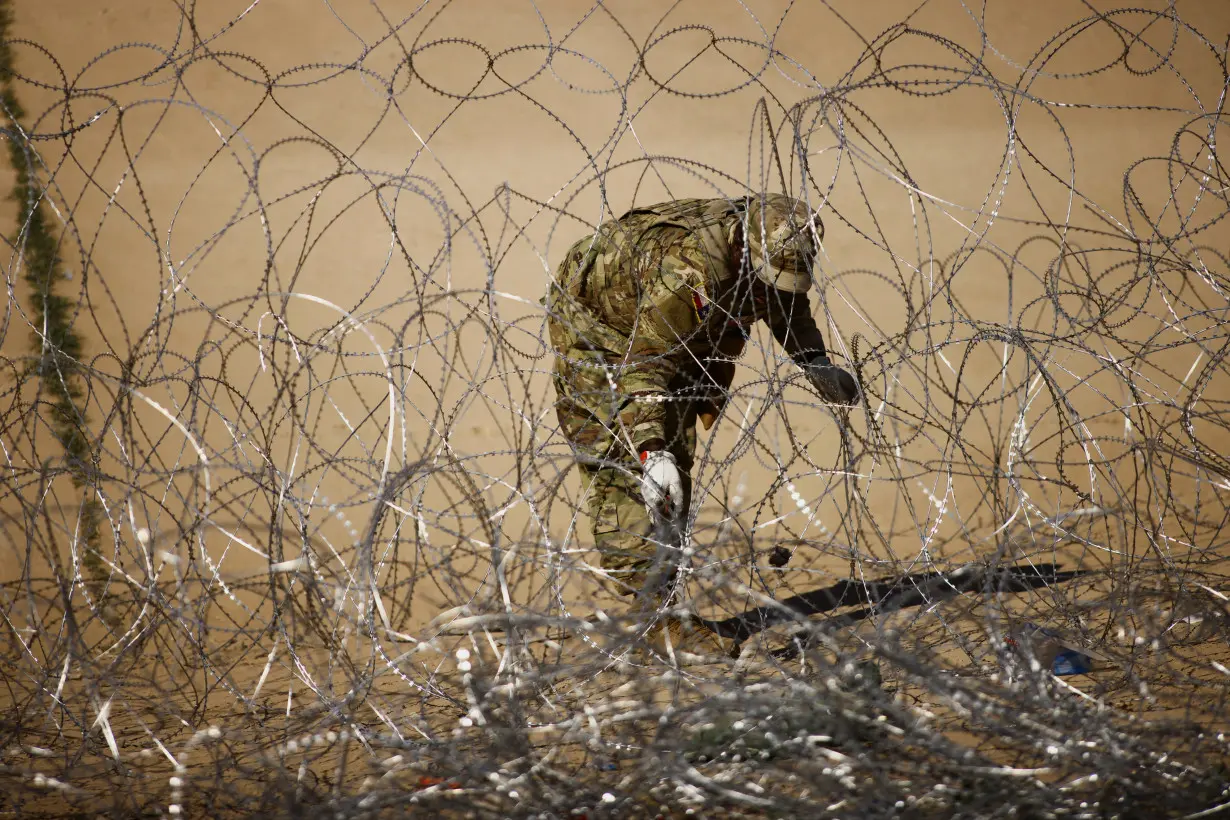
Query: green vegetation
(57, 347)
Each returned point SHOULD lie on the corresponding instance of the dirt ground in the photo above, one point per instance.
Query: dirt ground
(309, 239)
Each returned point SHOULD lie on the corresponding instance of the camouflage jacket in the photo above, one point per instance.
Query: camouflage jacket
(652, 306)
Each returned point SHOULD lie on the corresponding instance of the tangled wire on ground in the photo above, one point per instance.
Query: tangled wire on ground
(289, 527)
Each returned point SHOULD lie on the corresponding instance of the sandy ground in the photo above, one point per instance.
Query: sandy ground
(320, 266)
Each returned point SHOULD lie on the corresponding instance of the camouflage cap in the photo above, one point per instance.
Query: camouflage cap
(781, 242)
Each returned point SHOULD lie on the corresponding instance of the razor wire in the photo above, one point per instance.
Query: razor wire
(291, 527)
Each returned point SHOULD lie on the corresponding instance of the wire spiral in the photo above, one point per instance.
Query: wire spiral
(289, 525)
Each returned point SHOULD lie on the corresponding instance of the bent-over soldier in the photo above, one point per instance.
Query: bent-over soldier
(647, 317)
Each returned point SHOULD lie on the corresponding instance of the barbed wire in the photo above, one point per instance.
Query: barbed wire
(290, 525)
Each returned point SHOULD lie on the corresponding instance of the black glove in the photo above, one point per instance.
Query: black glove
(832, 383)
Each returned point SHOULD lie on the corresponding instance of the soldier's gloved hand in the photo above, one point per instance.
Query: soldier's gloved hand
(831, 382)
(661, 484)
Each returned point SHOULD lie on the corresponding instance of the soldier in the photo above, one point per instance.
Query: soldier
(647, 317)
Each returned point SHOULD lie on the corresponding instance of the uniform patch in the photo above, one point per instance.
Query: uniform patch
(700, 304)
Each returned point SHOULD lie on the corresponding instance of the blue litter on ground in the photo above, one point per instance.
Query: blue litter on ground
(1068, 661)
(1071, 662)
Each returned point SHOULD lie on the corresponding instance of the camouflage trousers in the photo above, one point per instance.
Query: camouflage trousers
(622, 526)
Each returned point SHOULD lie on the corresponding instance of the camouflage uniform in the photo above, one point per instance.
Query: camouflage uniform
(647, 316)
